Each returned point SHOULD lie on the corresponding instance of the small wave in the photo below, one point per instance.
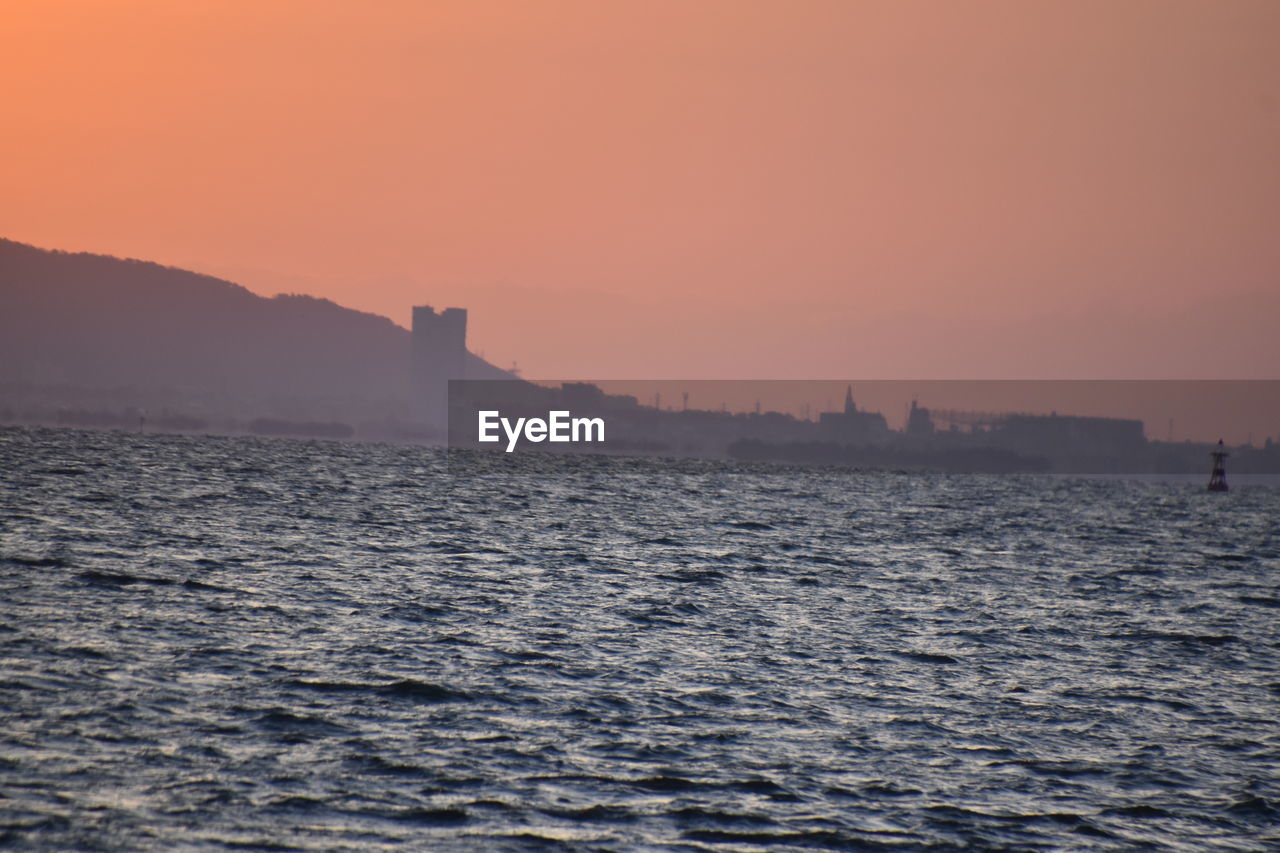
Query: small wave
(1139, 810)
(757, 786)
(206, 587)
(654, 616)
(698, 814)
(592, 814)
(716, 698)
(376, 765)
(927, 657)
(298, 803)
(297, 727)
(667, 783)
(101, 578)
(694, 576)
(887, 789)
(37, 562)
(819, 839)
(1136, 698)
(422, 691)
(1231, 558)
(416, 613)
(751, 525)
(87, 652)
(453, 784)
(1060, 769)
(1256, 807)
(448, 816)
(418, 691)
(1175, 637)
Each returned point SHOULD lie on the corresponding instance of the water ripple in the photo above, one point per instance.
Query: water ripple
(247, 643)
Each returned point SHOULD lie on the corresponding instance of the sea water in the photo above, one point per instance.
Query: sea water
(227, 643)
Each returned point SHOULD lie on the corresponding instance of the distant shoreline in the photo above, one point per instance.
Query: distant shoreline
(484, 461)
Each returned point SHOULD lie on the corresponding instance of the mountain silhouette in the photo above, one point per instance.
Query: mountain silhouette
(97, 324)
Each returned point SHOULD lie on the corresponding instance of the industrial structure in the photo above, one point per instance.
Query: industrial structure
(852, 425)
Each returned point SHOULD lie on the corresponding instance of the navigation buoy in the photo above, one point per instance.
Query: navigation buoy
(1218, 479)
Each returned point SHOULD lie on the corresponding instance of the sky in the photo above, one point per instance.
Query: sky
(850, 189)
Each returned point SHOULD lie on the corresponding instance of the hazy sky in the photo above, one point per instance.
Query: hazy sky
(687, 189)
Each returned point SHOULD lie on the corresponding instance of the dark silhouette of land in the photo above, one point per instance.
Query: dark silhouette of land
(851, 438)
(96, 341)
(100, 341)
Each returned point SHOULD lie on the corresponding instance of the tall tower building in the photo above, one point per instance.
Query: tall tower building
(439, 353)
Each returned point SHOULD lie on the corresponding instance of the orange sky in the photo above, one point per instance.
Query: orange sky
(687, 189)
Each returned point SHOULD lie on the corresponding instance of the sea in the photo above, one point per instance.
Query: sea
(243, 643)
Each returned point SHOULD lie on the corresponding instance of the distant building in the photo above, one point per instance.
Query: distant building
(1072, 434)
(919, 423)
(852, 426)
(439, 353)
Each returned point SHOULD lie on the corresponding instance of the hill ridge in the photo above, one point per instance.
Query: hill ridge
(85, 329)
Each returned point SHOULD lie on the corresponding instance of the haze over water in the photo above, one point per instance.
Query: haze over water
(229, 642)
